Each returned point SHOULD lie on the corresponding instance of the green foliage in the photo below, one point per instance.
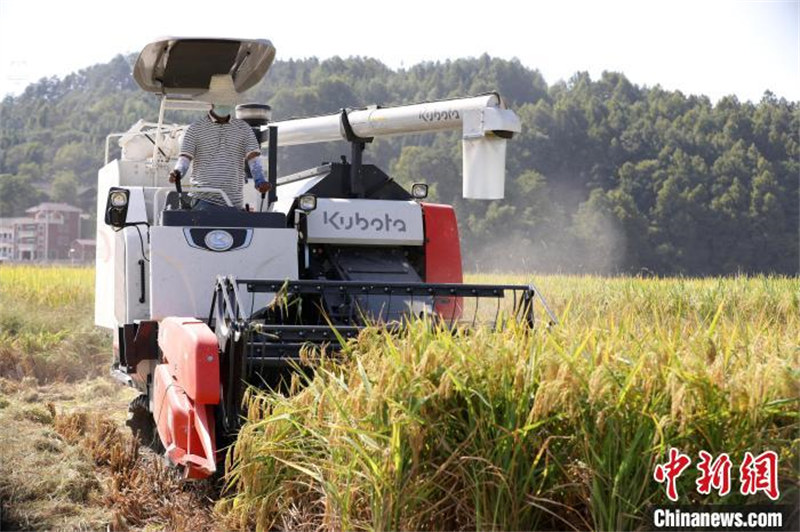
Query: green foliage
(685, 186)
(17, 193)
(65, 188)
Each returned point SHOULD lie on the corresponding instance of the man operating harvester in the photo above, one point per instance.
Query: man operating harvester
(218, 147)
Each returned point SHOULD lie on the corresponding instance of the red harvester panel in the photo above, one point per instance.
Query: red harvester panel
(185, 429)
(185, 389)
(191, 350)
(442, 254)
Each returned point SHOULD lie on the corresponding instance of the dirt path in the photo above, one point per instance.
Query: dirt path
(68, 462)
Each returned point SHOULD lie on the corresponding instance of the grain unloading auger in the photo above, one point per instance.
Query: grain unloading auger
(205, 303)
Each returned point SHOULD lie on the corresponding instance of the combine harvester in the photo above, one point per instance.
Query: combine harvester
(204, 303)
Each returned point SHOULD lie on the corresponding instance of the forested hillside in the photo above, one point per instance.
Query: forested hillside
(606, 176)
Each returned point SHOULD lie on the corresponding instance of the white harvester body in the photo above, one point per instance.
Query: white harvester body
(147, 271)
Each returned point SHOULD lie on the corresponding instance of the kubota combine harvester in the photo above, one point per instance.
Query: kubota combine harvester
(205, 303)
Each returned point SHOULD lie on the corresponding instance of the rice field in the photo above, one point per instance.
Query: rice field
(560, 428)
(48, 287)
(47, 324)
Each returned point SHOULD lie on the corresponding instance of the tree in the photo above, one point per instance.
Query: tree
(429, 165)
(65, 188)
(687, 186)
(78, 157)
(17, 194)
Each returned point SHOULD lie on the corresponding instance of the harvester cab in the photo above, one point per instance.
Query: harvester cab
(204, 303)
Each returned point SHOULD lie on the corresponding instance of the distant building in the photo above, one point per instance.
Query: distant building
(45, 235)
(83, 250)
(6, 239)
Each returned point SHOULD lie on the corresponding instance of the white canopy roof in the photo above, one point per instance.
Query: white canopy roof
(205, 69)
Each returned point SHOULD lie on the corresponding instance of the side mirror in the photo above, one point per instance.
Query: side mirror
(117, 207)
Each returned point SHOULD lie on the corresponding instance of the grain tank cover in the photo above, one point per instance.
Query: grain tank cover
(187, 66)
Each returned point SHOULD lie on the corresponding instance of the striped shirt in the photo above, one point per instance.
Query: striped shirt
(218, 151)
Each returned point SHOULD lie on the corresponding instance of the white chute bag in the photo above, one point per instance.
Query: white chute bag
(483, 147)
(484, 168)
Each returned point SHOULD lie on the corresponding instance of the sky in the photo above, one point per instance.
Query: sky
(710, 47)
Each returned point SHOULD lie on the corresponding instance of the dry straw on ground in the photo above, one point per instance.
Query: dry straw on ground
(67, 462)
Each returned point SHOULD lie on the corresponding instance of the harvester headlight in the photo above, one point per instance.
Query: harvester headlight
(118, 199)
(117, 207)
(419, 190)
(307, 202)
